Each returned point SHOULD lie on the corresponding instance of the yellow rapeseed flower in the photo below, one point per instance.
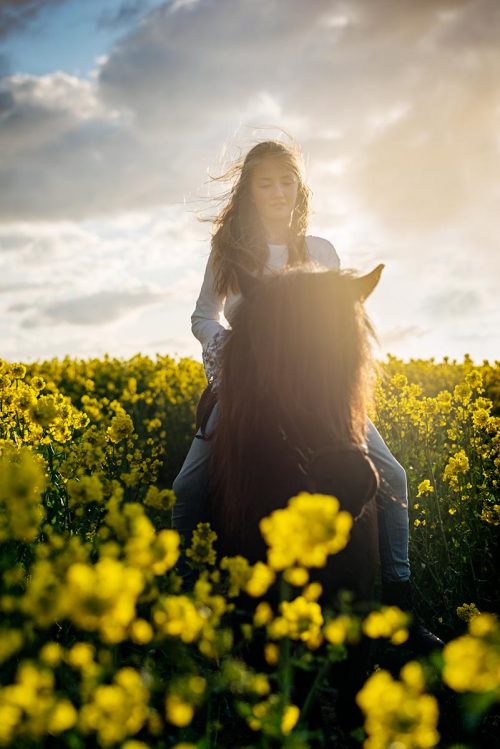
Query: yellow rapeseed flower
(304, 620)
(51, 653)
(313, 591)
(297, 576)
(491, 514)
(103, 597)
(118, 710)
(62, 717)
(271, 653)
(141, 631)
(81, 655)
(261, 578)
(397, 713)
(412, 674)
(425, 487)
(472, 662)
(84, 490)
(475, 380)
(121, 427)
(178, 712)
(306, 532)
(31, 704)
(18, 371)
(159, 499)
(341, 629)
(202, 549)
(11, 640)
(240, 572)
(481, 418)
(462, 393)
(467, 611)
(263, 614)
(389, 622)
(177, 616)
(289, 720)
(22, 481)
(457, 464)
(44, 411)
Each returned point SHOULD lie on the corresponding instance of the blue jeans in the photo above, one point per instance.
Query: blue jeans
(191, 490)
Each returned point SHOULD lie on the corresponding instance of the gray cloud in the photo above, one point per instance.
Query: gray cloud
(409, 93)
(12, 243)
(20, 287)
(5, 66)
(19, 307)
(101, 307)
(17, 14)
(400, 333)
(438, 154)
(454, 303)
(127, 13)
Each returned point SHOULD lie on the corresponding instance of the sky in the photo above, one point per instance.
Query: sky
(115, 114)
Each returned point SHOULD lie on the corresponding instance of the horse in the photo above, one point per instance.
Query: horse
(292, 418)
(292, 415)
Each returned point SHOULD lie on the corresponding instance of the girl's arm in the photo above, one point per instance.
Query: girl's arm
(205, 318)
(206, 326)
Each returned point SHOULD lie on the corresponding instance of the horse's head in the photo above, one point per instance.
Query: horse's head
(301, 344)
(361, 286)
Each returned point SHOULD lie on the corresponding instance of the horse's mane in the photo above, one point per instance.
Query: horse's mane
(297, 360)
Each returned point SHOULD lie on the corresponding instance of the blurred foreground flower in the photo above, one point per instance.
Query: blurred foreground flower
(397, 713)
(22, 481)
(472, 662)
(304, 533)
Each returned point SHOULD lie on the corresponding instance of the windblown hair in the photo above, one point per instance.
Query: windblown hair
(295, 375)
(238, 239)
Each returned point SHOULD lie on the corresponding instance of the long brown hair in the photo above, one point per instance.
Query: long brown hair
(298, 361)
(238, 238)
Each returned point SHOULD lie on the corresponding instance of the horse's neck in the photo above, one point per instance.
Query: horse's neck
(305, 434)
(299, 457)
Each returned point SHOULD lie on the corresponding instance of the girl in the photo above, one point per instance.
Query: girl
(262, 228)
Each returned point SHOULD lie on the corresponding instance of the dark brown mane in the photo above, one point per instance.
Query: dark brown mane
(294, 377)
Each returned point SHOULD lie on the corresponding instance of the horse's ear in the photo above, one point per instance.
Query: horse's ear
(364, 285)
(246, 282)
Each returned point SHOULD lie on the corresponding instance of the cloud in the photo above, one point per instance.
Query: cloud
(39, 112)
(13, 288)
(125, 14)
(5, 67)
(454, 303)
(414, 134)
(425, 167)
(99, 308)
(401, 333)
(396, 106)
(17, 14)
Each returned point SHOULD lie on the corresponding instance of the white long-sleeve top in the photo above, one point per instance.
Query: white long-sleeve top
(205, 320)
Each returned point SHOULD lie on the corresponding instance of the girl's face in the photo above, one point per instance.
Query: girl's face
(273, 191)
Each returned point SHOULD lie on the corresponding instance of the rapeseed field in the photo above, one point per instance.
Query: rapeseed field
(101, 645)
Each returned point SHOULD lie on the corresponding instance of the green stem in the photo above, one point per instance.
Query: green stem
(286, 670)
(320, 676)
(209, 726)
(437, 503)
